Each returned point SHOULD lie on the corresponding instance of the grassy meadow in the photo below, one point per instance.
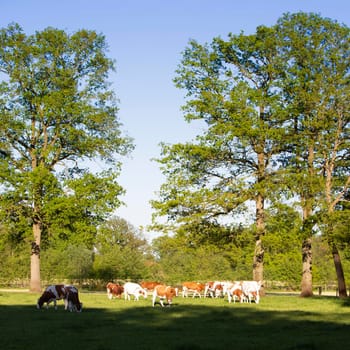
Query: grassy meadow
(278, 322)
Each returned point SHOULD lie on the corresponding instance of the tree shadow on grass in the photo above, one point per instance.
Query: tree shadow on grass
(179, 327)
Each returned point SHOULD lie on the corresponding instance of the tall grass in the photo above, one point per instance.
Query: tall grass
(278, 322)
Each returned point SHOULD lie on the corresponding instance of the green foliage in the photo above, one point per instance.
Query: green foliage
(323, 267)
(57, 112)
(282, 243)
(121, 251)
(315, 85)
(73, 218)
(73, 262)
(14, 262)
(276, 126)
(180, 258)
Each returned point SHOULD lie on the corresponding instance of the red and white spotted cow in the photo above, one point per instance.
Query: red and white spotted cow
(131, 288)
(213, 289)
(57, 292)
(163, 292)
(149, 285)
(114, 290)
(208, 289)
(234, 291)
(195, 287)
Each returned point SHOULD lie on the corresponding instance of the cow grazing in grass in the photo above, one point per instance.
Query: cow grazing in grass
(163, 293)
(134, 289)
(251, 290)
(52, 294)
(194, 287)
(60, 291)
(114, 290)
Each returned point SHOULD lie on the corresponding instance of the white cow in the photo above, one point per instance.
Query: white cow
(134, 289)
(251, 290)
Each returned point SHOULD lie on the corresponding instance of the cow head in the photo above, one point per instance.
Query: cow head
(143, 292)
(39, 303)
(46, 297)
(78, 307)
(171, 293)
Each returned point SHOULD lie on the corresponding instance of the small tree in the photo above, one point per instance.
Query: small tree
(121, 251)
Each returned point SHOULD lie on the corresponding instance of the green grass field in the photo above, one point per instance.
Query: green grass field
(278, 322)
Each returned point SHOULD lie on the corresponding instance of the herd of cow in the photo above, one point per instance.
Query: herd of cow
(242, 291)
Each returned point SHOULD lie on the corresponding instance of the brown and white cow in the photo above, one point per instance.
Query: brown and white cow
(52, 294)
(149, 285)
(194, 287)
(163, 292)
(114, 290)
(60, 291)
(251, 290)
(213, 289)
(234, 292)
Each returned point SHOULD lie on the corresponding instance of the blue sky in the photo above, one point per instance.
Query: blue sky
(146, 39)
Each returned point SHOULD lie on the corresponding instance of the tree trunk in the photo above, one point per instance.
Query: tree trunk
(306, 252)
(307, 199)
(339, 271)
(330, 232)
(306, 278)
(35, 283)
(258, 261)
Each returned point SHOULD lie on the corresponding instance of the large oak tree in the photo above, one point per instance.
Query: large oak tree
(275, 120)
(57, 110)
(315, 83)
(232, 88)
